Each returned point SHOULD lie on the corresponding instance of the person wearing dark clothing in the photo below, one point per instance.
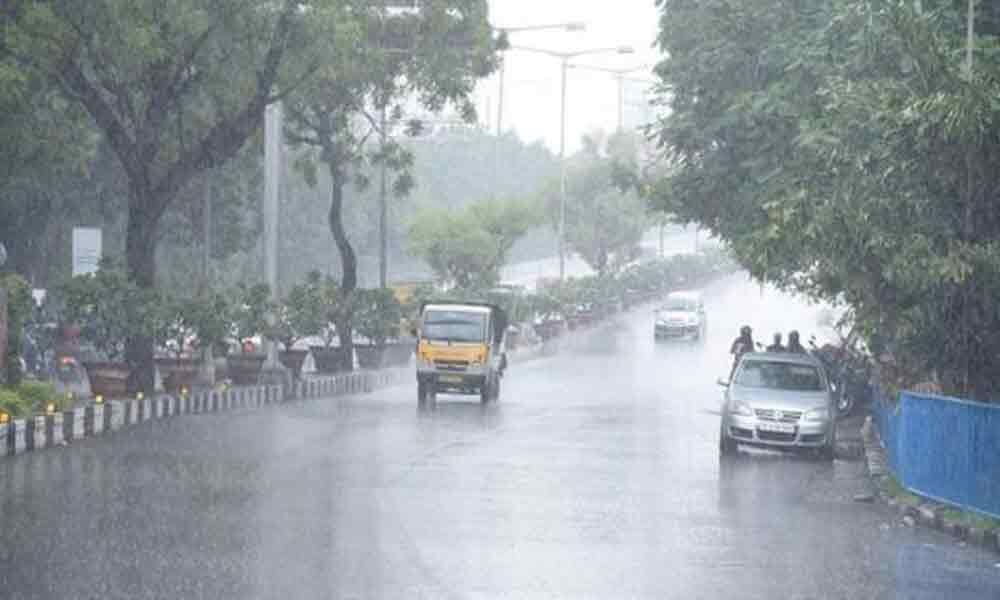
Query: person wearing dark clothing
(741, 345)
(776, 346)
(794, 345)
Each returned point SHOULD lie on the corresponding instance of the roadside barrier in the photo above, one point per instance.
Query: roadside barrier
(945, 449)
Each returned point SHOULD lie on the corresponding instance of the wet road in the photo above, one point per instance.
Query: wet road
(596, 476)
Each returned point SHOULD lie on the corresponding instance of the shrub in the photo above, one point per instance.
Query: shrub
(13, 403)
(38, 394)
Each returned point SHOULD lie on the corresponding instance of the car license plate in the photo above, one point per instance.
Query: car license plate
(450, 379)
(776, 427)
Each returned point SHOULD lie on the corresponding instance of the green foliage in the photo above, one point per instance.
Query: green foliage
(301, 314)
(19, 308)
(38, 395)
(110, 309)
(251, 307)
(842, 151)
(31, 397)
(605, 214)
(468, 248)
(13, 403)
(435, 54)
(377, 315)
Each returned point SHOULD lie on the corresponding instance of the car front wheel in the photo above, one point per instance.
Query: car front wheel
(727, 445)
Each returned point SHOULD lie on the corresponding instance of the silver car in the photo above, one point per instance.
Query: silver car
(778, 400)
(682, 315)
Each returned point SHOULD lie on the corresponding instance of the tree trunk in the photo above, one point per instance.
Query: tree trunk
(349, 268)
(140, 255)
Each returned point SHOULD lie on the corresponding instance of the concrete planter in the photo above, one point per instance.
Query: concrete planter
(108, 379)
(293, 361)
(328, 360)
(244, 369)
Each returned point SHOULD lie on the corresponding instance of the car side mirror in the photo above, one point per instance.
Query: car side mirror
(722, 382)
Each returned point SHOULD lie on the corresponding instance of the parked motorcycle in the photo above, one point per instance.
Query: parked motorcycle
(849, 370)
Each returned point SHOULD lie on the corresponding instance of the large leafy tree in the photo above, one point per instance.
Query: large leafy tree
(468, 248)
(433, 55)
(176, 88)
(606, 215)
(844, 149)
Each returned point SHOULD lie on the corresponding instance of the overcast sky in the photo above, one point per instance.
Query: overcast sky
(531, 97)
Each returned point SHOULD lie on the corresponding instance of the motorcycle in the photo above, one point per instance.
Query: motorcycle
(849, 371)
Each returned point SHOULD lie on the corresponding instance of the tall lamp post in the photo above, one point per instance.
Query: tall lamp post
(572, 26)
(565, 58)
(621, 77)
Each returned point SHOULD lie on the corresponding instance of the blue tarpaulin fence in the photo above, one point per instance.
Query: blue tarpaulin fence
(944, 448)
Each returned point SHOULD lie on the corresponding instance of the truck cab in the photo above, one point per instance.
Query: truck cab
(460, 350)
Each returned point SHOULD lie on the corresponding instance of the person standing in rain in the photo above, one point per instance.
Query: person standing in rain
(794, 345)
(776, 346)
(741, 345)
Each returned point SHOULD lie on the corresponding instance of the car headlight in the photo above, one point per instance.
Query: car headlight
(740, 408)
(692, 321)
(817, 414)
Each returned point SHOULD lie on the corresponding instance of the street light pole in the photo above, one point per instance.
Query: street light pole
(562, 169)
(568, 27)
(620, 78)
(564, 58)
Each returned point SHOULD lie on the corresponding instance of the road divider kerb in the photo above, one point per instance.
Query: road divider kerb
(28, 434)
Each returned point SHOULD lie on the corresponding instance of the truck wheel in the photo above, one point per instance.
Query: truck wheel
(425, 392)
(490, 390)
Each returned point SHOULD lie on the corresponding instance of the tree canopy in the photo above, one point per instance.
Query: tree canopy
(468, 248)
(606, 215)
(844, 150)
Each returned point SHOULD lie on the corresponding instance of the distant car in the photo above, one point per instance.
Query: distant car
(779, 400)
(682, 315)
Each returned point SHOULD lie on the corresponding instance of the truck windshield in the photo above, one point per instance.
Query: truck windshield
(454, 326)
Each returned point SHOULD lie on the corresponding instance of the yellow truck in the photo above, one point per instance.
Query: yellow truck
(461, 349)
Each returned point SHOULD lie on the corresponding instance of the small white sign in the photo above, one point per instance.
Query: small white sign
(86, 250)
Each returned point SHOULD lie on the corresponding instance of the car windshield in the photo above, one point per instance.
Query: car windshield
(680, 304)
(780, 376)
(454, 326)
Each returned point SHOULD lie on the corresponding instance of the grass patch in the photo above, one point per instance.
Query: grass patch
(971, 519)
(894, 490)
(967, 518)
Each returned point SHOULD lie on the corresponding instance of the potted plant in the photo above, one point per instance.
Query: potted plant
(378, 315)
(109, 309)
(179, 368)
(296, 317)
(210, 321)
(324, 301)
(249, 318)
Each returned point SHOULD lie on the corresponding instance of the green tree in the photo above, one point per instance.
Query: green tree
(434, 54)
(605, 214)
(842, 150)
(468, 248)
(175, 88)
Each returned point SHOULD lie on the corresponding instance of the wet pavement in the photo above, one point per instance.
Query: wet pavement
(596, 476)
